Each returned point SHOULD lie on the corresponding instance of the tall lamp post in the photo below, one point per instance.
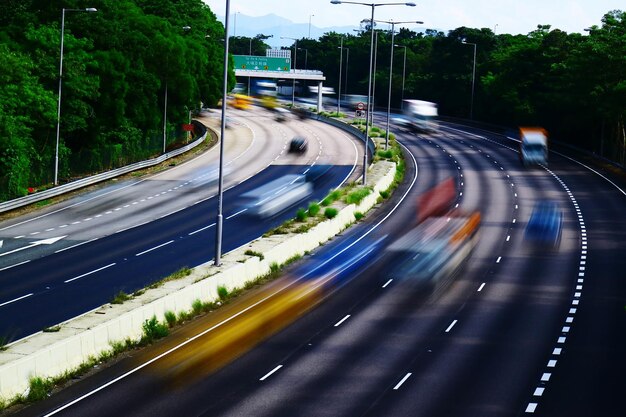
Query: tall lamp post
(56, 152)
(473, 78)
(369, 88)
(347, 58)
(185, 28)
(310, 16)
(220, 182)
(393, 33)
(340, 67)
(403, 73)
(295, 63)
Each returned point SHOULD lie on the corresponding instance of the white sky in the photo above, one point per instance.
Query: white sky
(510, 16)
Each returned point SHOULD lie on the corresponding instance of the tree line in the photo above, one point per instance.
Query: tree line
(118, 63)
(572, 84)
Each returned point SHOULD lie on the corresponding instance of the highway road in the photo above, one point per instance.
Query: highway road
(517, 332)
(72, 257)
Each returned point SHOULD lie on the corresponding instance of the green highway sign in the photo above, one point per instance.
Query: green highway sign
(262, 63)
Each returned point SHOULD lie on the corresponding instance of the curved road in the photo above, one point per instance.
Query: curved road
(518, 332)
(115, 239)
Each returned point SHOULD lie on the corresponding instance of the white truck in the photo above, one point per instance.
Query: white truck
(533, 146)
(421, 116)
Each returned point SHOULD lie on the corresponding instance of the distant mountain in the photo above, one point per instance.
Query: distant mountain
(277, 26)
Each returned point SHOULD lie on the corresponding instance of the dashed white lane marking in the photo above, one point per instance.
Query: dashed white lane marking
(154, 248)
(267, 375)
(14, 265)
(387, 283)
(481, 287)
(16, 299)
(451, 326)
(531, 407)
(233, 215)
(201, 229)
(342, 320)
(89, 273)
(402, 381)
(538, 392)
(499, 259)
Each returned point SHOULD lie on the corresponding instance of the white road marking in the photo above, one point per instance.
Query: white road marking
(481, 287)
(451, 326)
(508, 238)
(499, 259)
(551, 363)
(546, 377)
(89, 273)
(342, 320)
(13, 266)
(154, 248)
(387, 283)
(539, 391)
(531, 407)
(49, 241)
(557, 351)
(16, 299)
(267, 375)
(233, 215)
(399, 384)
(199, 230)
(79, 244)
(561, 339)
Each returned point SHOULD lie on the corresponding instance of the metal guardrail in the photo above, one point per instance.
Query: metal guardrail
(84, 182)
(371, 146)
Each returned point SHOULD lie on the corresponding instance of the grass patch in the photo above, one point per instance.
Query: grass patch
(196, 307)
(331, 197)
(181, 273)
(120, 297)
(355, 197)
(153, 330)
(330, 212)
(385, 194)
(43, 203)
(139, 292)
(170, 318)
(301, 215)
(250, 252)
(358, 215)
(388, 154)
(3, 345)
(314, 209)
(222, 292)
(39, 388)
(51, 329)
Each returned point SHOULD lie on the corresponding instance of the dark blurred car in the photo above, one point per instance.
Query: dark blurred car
(298, 145)
(544, 226)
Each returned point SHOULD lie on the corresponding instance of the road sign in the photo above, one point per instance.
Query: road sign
(262, 63)
(360, 105)
(359, 114)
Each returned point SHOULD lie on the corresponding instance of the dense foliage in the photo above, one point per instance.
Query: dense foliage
(117, 64)
(572, 84)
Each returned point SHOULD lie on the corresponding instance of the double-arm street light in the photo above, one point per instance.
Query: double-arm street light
(295, 61)
(393, 32)
(310, 16)
(473, 77)
(56, 152)
(369, 88)
(403, 73)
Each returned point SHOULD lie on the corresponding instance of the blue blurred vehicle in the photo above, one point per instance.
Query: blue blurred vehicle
(544, 226)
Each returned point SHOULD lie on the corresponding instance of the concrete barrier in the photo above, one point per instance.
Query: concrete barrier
(51, 354)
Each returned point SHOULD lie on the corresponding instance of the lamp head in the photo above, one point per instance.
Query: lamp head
(410, 4)
(335, 1)
(91, 9)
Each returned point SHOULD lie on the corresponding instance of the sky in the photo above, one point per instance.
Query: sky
(503, 16)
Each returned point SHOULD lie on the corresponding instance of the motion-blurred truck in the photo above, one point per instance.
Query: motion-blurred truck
(533, 146)
(421, 116)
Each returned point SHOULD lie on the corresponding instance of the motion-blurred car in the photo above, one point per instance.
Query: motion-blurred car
(298, 145)
(544, 226)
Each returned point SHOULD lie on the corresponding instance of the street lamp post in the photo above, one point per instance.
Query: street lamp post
(56, 152)
(347, 58)
(473, 78)
(310, 16)
(250, 54)
(369, 88)
(185, 28)
(295, 63)
(220, 182)
(403, 73)
(393, 32)
(340, 67)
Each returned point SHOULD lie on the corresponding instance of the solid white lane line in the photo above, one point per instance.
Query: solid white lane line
(78, 244)
(451, 326)
(199, 230)
(399, 384)
(16, 299)
(233, 215)
(481, 287)
(387, 283)
(89, 273)
(14, 265)
(342, 320)
(154, 248)
(267, 375)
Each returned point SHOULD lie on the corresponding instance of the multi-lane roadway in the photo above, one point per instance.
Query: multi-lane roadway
(517, 332)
